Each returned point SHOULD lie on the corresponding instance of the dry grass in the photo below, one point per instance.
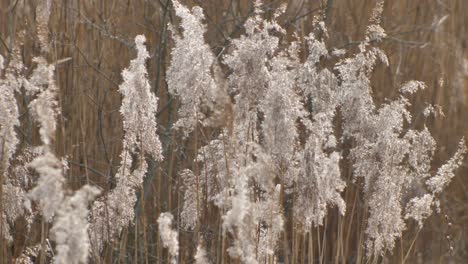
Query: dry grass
(428, 41)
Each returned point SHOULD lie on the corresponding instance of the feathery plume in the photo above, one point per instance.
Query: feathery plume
(70, 227)
(190, 74)
(138, 109)
(168, 235)
(200, 256)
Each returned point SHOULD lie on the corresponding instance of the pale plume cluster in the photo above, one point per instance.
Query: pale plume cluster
(49, 191)
(9, 86)
(68, 210)
(70, 230)
(138, 109)
(388, 157)
(200, 256)
(260, 158)
(196, 89)
(278, 123)
(15, 200)
(169, 236)
(30, 253)
(55, 204)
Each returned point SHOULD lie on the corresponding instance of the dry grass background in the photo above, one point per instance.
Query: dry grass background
(427, 41)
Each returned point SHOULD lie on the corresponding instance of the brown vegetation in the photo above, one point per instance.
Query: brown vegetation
(91, 42)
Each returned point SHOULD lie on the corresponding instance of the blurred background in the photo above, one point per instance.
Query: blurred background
(93, 40)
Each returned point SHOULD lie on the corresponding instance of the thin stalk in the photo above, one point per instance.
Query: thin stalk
(123, 246)
(324, 238)
(43, 240)
(319, 245)
(2, 228)
(411, 246)
(311, 247)
(135, 243)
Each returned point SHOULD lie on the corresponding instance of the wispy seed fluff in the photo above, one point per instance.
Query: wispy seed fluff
(139, 106)
(169, 237)
(9, 85)
(190, 74)
(49, 190)
(138, 109)
(200, 256)
(71, 227)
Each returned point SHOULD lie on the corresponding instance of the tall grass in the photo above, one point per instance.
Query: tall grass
(275, 147)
